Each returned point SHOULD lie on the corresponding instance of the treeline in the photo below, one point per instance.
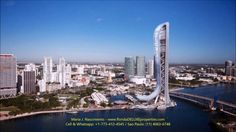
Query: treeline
(25, 104)
(189, 82)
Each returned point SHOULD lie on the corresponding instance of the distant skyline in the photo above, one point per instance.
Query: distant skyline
(107, 31)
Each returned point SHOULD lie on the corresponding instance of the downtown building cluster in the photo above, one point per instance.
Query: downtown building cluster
(54, 79)
(137, 71)
(46, 77)
(230, 68)
(205, 74)
(49, 77)
(137, 66)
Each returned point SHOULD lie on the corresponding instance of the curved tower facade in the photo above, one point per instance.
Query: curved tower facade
(161, 65)
(161, 43)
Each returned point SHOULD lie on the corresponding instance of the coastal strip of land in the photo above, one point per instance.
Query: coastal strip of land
(3, 118)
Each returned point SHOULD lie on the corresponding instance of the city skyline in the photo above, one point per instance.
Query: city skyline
(201, 32)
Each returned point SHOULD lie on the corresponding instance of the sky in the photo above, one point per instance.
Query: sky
(107, 31)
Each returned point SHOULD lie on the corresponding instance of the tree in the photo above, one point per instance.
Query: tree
(110, 104)
(103, 104)
(85, 105)
(215, 80)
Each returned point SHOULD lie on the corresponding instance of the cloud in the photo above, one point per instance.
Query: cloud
(99, 19)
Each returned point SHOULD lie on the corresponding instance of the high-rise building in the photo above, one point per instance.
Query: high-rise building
(19, 83)
(30, 67)
(68, 74)
(234, 70)
(29, 79)
(42, 85)
(47, 69)
(140, 65)
(80, 69)
(228, 68)
(28, 82)
(155, 70)
(7, 75)
(129, 66)
(161, 43)
(62, 71)
(151, 67)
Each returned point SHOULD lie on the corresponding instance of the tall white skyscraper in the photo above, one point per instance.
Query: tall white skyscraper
(47, 69)
(67, 74)
(151, 67)
(61, 69)
(42, 85)
(161, 44)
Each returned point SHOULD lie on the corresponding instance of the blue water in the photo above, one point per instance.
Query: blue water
(185, 117)
(224, 92)
(117, 97)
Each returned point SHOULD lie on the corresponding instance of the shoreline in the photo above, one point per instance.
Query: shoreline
(76, 110)
(177, 89)
(56, 111)
(202, 85)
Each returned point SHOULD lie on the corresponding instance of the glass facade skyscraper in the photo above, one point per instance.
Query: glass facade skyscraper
(28, 82)
(140, 65)
(228, 68)
(129, 66)
(7, 75)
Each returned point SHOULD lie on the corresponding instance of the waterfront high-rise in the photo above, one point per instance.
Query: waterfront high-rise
(62, 71)
(161, 43)
(140, 65)
(47, 69)
(7, 75)
(129, 66)
(29, 79)
(228, 68)
(28, 82)
(67, 74)
(19, 83)
(151, 67)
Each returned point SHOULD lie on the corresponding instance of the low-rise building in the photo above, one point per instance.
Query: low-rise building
(138, 80)
(99, 98)
(50, 87)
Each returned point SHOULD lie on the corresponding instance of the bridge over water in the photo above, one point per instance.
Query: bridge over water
(207, 102)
